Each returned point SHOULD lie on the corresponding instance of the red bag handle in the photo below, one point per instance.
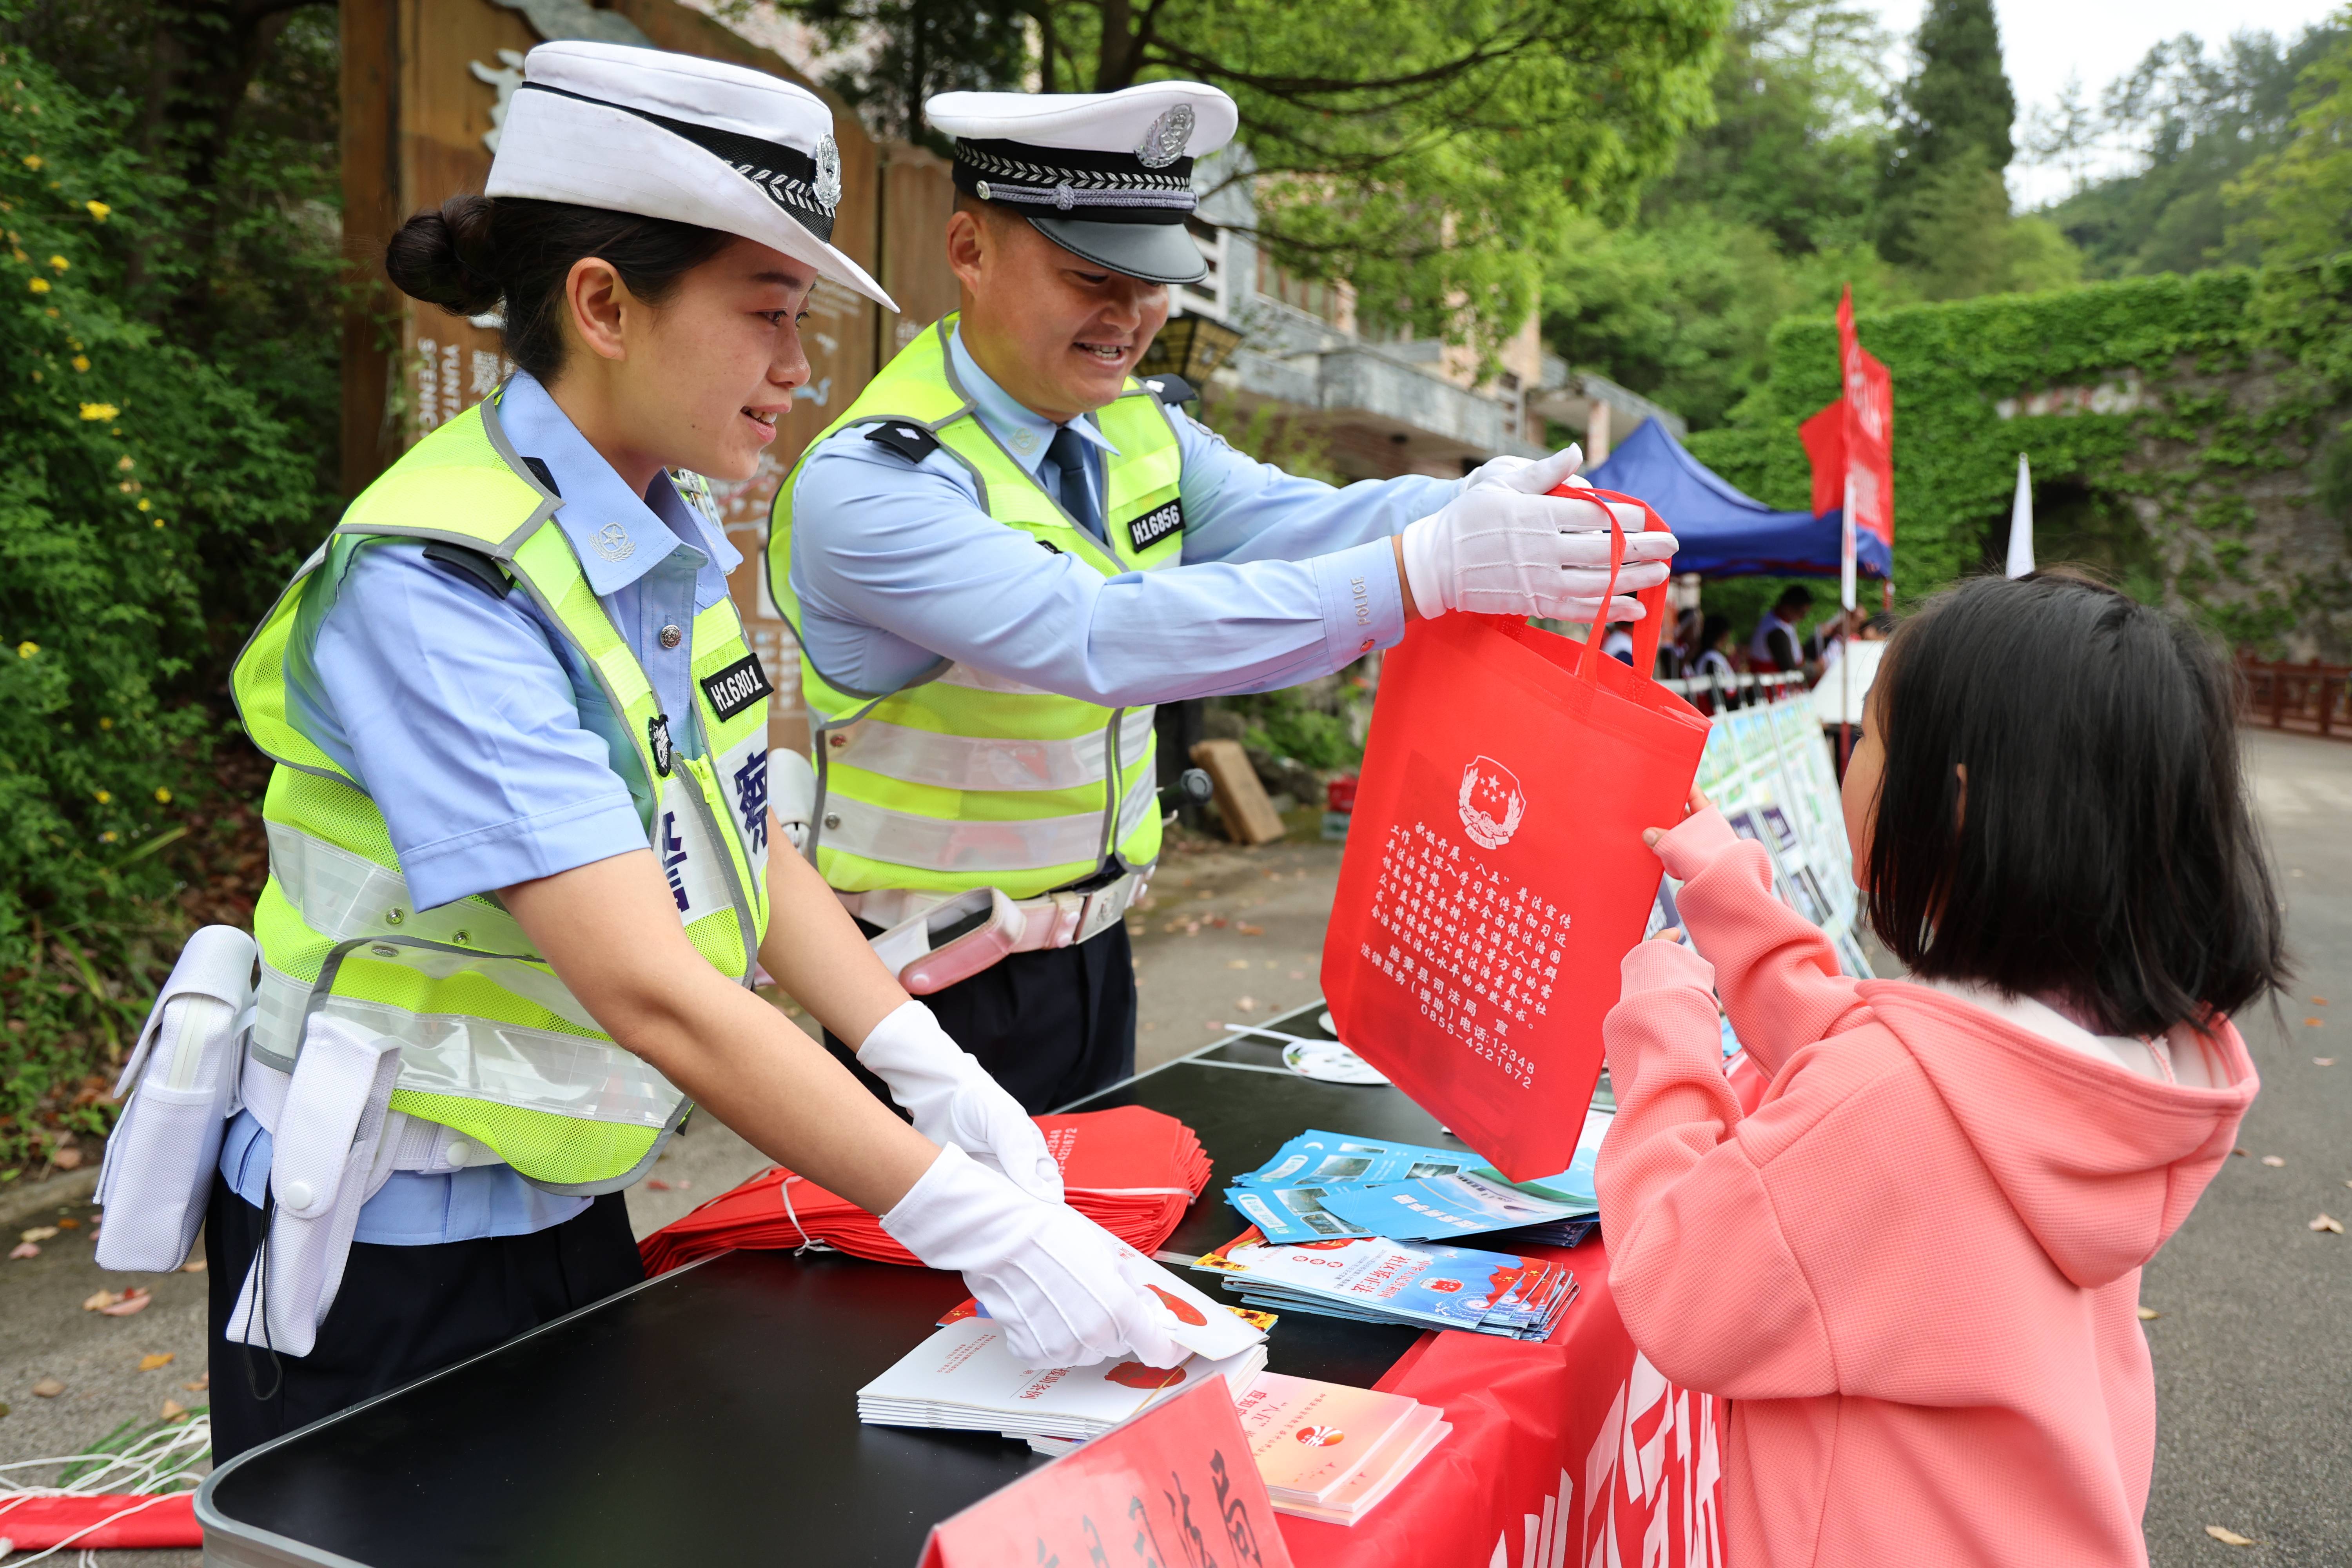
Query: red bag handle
(1651, 626)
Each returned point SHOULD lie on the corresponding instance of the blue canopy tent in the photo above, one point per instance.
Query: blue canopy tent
(1723, 533)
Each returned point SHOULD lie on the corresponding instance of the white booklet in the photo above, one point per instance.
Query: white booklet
(963, 1378)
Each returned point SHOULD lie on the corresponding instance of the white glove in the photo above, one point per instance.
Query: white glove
(953, 1099)
(1500, 551)
(1066, 1292)
(1531, 476)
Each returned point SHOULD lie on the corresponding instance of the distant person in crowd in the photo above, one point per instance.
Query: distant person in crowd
(1911, 1260)
(1619, 645)
(1678, 654)
(1776, 648)
(1714, 663)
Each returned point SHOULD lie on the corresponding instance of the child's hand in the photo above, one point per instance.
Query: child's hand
(1697, 803)
(1672, 933)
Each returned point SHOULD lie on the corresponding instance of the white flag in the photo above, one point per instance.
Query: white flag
(2020, 522)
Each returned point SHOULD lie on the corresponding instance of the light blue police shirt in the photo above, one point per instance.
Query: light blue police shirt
(488, 748)
(1284, 579)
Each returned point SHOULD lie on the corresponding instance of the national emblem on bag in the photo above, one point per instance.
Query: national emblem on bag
(1492, 803)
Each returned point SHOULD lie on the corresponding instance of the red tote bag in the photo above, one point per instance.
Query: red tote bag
(1495, 874)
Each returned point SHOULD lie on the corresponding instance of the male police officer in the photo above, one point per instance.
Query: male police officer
(1007, 549)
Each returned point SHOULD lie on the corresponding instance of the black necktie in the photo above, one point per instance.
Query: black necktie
(1067, 452)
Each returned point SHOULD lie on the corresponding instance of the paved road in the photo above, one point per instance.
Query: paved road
(2253, 1352)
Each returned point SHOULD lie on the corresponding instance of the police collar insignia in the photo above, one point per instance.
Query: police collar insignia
(737, 687)
(613, 543)
(657, 742)
(1156, 524)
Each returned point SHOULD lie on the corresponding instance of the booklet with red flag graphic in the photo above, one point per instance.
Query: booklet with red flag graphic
(1383, 1282)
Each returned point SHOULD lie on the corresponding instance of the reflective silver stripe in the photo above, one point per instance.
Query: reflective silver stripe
(479, 1058)
(973, 679)
(986, 762)
(341, 895)
(904, 838)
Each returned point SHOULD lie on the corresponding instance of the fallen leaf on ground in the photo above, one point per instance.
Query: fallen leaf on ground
(1215, 1024)
(48, 1388)
(1298, 975)
(2311, 1023)
(69, 1224)
(656, 1185)
(1248, 930)
(26, 1249)
(2273, 1160)
(1237, 964)
(2319, 1001)
(39, 1233)
(2326, 1223)
(2149, 1314)
(2227, 1536)
(2240, 1154)
(193, 1266)
(100, 1300)
(200, 1384)
(66, 1159)
(159, 1358)
(173, 1408)
(134, 1299)
(2323, 1062)
(1245, 1003)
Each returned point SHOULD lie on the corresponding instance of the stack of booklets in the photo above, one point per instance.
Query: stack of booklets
(1131, 1171)
(1324, 1186)
(1377, 1280)
(1330, 1452)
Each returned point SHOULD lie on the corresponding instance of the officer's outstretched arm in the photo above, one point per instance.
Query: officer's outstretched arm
(1067, 1293)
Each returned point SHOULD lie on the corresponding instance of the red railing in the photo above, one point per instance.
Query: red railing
(2314, 697)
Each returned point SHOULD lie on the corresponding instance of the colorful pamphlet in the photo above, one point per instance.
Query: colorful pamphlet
(1284, 1198)
(963, 1378)
(1311, 1440)
(1382, 1281)
(1407, 1193)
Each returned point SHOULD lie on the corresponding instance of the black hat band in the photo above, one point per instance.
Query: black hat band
(804, 186)
(1103, 187)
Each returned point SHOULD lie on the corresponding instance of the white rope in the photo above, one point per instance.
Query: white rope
(152, 1461)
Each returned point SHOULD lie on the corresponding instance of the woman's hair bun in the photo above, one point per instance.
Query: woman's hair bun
(447, 257)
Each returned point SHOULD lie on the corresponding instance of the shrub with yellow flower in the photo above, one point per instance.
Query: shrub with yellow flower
(97, 411)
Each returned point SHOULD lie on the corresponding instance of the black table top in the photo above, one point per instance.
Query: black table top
(711, 1414)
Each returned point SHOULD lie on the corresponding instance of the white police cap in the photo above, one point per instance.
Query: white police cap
(675, 136)
(1107, 175)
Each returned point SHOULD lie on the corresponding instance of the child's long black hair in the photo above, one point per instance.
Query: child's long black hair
(2102, 849)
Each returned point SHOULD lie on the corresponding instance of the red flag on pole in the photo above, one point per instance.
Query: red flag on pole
(1869, 429)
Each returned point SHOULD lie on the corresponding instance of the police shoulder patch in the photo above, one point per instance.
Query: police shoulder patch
(1156, 524)
(1172, 390)
(904, 437)
(737, 687)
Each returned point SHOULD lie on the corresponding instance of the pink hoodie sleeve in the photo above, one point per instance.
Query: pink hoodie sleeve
(1779, 975)
(1705, 1281)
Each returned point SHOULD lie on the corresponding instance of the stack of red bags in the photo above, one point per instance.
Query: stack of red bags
(1131, 1171)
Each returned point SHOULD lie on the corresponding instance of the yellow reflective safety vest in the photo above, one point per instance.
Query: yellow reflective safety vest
(963, 779)
(491, 1043)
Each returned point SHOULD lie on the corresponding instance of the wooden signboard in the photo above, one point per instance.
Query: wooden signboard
(424, 85)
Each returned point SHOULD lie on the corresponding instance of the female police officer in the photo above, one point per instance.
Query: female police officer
(519, 825)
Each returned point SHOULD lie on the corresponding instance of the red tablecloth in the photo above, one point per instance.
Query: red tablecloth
(1575, 1452)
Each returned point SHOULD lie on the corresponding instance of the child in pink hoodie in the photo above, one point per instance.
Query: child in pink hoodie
(1913, 1267)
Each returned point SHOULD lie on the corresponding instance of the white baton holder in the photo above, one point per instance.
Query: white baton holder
(1056, 920)
(181, 1089)
(330, 1154)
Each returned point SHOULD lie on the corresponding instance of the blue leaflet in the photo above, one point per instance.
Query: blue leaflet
(1284, 1198)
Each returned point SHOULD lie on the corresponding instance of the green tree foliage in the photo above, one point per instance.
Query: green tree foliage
(1954, 111)
(2299, 198)
(2192, 121)
(160, 473)
(1427, 154)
